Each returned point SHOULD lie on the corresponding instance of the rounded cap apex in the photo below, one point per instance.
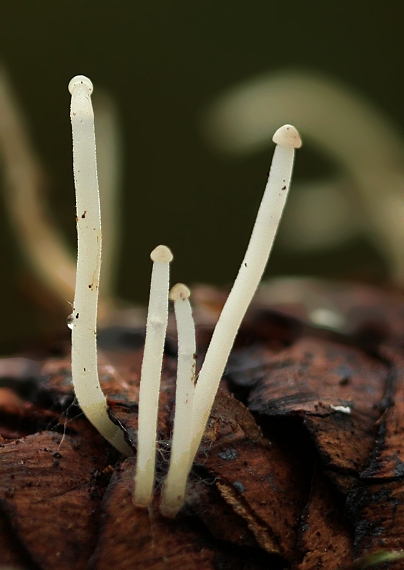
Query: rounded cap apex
(287, 135)
(179, 292)
(80, 80)
(161, 253)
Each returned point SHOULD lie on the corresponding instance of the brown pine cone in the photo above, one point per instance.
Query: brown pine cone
(301, 465)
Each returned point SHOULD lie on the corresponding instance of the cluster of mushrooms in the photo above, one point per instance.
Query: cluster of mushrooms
(195, 393)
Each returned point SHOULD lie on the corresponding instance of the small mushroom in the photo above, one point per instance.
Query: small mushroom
(156, 326)
(84, 326)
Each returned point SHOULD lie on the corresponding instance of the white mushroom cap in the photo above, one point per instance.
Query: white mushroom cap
(161, 253)
(287, 135)
(80, 80)
(179, 292)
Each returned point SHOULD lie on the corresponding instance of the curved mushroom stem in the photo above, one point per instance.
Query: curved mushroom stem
(84, 318)
(175, 485)
(247, 280)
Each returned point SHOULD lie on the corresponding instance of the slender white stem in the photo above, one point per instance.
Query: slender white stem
(156, 327)
(175, 485)
(246, 283)
(84, 322)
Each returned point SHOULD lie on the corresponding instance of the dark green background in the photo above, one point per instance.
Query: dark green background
(164, 61)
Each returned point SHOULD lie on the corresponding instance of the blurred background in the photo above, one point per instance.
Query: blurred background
(166, 63)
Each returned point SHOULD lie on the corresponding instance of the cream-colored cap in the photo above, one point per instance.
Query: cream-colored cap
(80, 80)
(161, 253)
(287, 135)
(179, 292)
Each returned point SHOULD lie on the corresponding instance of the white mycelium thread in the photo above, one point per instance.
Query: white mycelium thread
(156, 327)
(252, 268)
(175, 484)
(84, 317)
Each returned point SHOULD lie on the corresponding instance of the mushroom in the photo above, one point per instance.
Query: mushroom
(84, 317)
(250, 273)
(193, 402)
(156, 326)
(174, 486)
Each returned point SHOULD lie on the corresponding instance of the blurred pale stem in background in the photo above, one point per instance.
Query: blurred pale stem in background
(368, 151)
(43, 245)
(364, 196)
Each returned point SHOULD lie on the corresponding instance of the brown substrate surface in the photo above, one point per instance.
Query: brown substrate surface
(301, 466)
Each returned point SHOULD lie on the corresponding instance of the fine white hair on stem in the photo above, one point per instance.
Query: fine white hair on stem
(250, 273)
(84, 318)
(175, 485)
(156, 326)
